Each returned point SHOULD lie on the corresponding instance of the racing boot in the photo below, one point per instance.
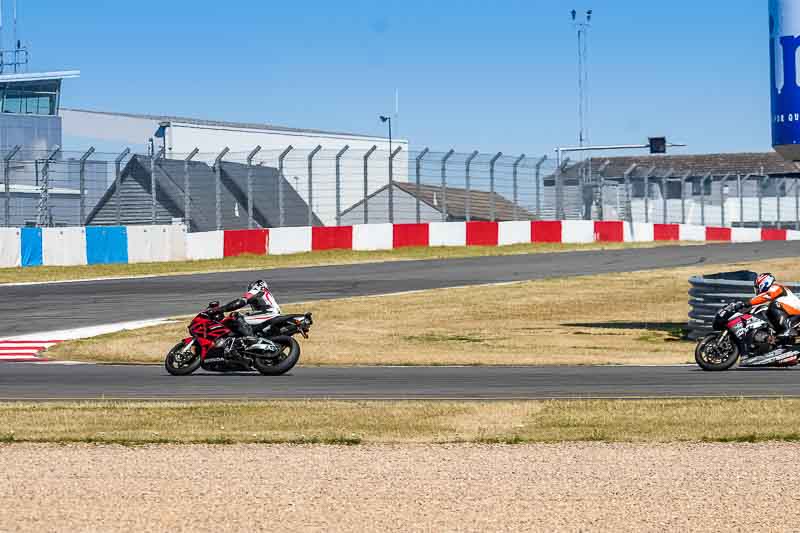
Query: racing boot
(787, 336)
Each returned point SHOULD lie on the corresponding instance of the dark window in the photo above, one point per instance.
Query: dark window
(30, 98)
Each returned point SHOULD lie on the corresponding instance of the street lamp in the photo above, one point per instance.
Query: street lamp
(385, 119)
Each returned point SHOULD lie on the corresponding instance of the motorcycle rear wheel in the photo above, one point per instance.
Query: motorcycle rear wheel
(285, 361)
(181, 369)
(712, 362)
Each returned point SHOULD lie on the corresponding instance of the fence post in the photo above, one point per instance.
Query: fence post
(218, 186)
(366, 182)
(153, 186)
(43, 217)
(626, 179)
(444, 183)
(760, 201)
(250, 157)
(778, 200)
(722, 199)
(468, 187)
(741, 198)
(703, 196)
(664, 194)
(339, 184)
(391, 182)
(647, 176)
(7, 181)
(82, 179)
(187, 195)
(311, 155)
(118, 183)
(492, 203)
(418, 182)
(281, 179)
(684, 179)
(537, 186)
(517, 161)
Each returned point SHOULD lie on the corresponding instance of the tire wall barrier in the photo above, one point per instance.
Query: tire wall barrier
(708, 294)
(143, 244)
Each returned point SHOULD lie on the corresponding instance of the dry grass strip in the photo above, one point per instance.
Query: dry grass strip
(353, 422)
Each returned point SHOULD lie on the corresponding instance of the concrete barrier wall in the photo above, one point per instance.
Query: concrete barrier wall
(138, 244)
(63, 246)
(10, 248)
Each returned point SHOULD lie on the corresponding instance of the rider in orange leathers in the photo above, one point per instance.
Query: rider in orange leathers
(783, 305)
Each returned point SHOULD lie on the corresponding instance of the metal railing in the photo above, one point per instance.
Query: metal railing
(295, 186)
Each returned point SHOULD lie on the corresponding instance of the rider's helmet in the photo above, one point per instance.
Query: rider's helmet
(763, 282)
(213, 310)
(258, 286)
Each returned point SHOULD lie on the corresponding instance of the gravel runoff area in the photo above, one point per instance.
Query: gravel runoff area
(547, 487)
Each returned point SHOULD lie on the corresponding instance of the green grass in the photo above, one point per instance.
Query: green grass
(265, 262)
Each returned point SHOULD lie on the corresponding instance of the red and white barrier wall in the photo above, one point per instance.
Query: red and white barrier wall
(278, 241)
(139, 244)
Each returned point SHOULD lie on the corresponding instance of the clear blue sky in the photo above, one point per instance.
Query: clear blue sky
(487, 75)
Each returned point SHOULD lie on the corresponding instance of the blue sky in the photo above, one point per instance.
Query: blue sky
(487, 75)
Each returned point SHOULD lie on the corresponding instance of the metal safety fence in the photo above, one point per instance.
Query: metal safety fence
(322, 186)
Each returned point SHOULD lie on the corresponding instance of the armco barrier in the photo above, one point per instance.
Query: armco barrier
(136, 244)
(707, 294)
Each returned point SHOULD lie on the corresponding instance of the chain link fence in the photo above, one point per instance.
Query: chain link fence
(293, 187)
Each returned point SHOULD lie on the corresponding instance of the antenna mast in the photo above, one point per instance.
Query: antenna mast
(582, 30)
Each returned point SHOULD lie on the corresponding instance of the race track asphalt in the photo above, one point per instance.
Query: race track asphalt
(43, 381)
(57, 306)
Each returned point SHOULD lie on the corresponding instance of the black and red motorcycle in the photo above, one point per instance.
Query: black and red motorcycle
(216, 344)
(746, 337)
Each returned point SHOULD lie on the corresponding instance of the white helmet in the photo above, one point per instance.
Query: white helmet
(258, 286)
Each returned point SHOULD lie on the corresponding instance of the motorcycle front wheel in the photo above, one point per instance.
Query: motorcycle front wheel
(180, 363)
(713, 354)
(283, 362)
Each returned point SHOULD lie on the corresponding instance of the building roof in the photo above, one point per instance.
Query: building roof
(758, 163)
(136, 181)
(223, 124)
(39, 76)
(480, 206)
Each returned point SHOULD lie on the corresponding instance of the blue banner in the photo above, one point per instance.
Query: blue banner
(106, 245)
(31, 242)
(784, 42)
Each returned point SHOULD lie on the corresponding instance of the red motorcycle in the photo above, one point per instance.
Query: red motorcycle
(217, 345)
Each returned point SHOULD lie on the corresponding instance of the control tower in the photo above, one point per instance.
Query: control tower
(29, 106)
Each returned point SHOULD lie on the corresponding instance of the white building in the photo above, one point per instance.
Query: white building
(179, 136)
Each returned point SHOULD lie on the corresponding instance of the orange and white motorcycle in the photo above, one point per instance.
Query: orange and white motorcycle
(747, 337)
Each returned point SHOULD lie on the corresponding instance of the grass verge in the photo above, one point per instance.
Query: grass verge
(354, 422)
(630, 318)
(265, 262)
